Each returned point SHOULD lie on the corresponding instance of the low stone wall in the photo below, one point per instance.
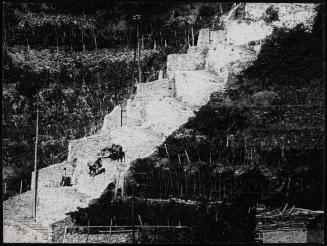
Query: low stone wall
(296, 235)
(198, 50)
(98, 238)
(51, 176)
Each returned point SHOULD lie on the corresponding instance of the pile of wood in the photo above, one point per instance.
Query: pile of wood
(285, 217)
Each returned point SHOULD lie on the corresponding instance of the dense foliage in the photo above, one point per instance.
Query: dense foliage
(202, 219)
(72, 100)
(103, 25)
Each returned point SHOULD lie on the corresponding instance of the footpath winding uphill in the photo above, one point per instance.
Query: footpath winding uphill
(158, 109)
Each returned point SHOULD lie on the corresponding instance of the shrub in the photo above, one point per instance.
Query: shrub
(271, 15)
(264, 98)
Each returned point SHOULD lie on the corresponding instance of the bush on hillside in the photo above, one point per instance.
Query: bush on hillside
(264, 98)
(271, 15)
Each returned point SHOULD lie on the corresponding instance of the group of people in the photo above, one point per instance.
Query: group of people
(115, 152)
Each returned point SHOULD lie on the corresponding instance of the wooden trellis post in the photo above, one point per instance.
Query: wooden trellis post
(65, 232)
(109, 238)
(188, 158)
(167, 152)
(88, 231)
(192, 36)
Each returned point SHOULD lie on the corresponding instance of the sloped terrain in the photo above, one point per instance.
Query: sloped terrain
(158, 109)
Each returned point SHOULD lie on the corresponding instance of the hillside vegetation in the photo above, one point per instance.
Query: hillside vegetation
(76, 63)
(271, 119)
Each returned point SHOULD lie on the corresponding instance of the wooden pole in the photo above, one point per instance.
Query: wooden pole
(186, 182)
(133, 76)
(167, 152)
(139, 53)
(133, 226)
(121, 116)
(192, 36)
(35, 164)
(5, 187)
(88, 231)
(220, 8)
(122, 188)
(21, 187)
(188, 38)
(139, 216)
(109, 238)
(65, 232)
(188, 158)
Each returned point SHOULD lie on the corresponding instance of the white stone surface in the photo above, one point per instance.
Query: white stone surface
(113, 119)
(195, 87)
(242, 32)
(290, 14)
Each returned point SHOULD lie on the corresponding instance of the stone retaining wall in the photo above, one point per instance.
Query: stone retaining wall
(113, 119)
(51, 176)
(88, 148)
(195, 87)
(203, 38)
(222, 58)
(184, 62)
(242, 32)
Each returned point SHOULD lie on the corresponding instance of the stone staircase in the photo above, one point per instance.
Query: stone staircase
(159, 108)
(17, 215)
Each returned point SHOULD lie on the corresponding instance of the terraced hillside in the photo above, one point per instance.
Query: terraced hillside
(158, 109)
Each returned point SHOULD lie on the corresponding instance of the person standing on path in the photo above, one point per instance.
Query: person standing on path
(63, 178)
